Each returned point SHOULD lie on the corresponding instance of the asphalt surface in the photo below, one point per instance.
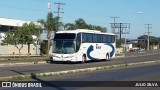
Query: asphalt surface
(52, 67)
(134, 73)
(150, 72)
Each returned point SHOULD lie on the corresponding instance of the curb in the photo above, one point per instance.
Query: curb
(24, 63)
(29, 76)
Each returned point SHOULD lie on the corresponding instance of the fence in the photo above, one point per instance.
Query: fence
(12, 50)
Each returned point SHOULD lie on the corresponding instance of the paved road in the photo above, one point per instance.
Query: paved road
(134, 73)
(150, 72)
(27, 69)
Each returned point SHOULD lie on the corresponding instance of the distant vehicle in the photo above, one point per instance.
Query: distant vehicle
(83, 45)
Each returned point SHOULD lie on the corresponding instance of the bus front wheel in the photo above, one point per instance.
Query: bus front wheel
(83, 59)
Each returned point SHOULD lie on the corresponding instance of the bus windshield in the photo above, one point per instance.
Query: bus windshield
(65, 36)
(64, 47)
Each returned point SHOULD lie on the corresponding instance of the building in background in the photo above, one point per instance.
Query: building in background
(7, 24)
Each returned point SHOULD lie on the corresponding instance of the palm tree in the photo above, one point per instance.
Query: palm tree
(69, 26)
(80, 24)
(51, 24)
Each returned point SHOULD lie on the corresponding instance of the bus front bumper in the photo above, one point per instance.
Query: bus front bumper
(64, 59)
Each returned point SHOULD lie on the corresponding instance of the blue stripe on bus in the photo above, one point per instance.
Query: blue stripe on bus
(91, 48)
(113, 49)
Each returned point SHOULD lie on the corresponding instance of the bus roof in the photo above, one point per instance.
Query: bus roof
(83, 31)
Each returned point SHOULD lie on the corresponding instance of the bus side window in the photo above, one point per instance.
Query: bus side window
(84, 37)
(100, 38)
(104, 39)
(89, 38)
(95, 38)
(113, 39)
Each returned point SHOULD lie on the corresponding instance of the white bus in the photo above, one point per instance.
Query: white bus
(83, 45)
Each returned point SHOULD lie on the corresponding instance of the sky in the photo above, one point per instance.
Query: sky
(96, 12)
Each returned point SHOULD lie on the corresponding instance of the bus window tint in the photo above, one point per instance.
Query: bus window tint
(58, 46)
(89, 38)
(78, 42)
(84, 39)
(99, 38)
(108, 39)
(65, 36)
(68, 47)
(104, 39)
(95, 38)
(113, 39)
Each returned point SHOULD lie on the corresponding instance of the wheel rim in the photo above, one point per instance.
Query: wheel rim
(83, 59)
(107, 57)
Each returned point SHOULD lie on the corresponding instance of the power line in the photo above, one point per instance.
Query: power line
(113, 31)
(121, 27)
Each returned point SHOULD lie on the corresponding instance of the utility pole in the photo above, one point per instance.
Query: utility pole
(114, 24)
(59, 8)
(120, 32)
(148, 27)
(121, 27)
(59, 11)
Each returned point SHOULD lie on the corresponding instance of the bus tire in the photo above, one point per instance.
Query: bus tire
(83, 59)
(107, 57)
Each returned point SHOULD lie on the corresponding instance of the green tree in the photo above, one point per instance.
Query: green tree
(29, 30)
(69, 26)
(118, 43)
(22, 35)
(81, 24)
(16, 38)
(143, 42)
(78, 24)
(102, 29)
(154, 40)
(51, 24)
(90, 27)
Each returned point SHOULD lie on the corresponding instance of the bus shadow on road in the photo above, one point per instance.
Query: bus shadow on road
(61, 62)
(65, 62)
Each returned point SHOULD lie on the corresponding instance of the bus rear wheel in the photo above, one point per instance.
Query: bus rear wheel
(83, 59)
(107, 57)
